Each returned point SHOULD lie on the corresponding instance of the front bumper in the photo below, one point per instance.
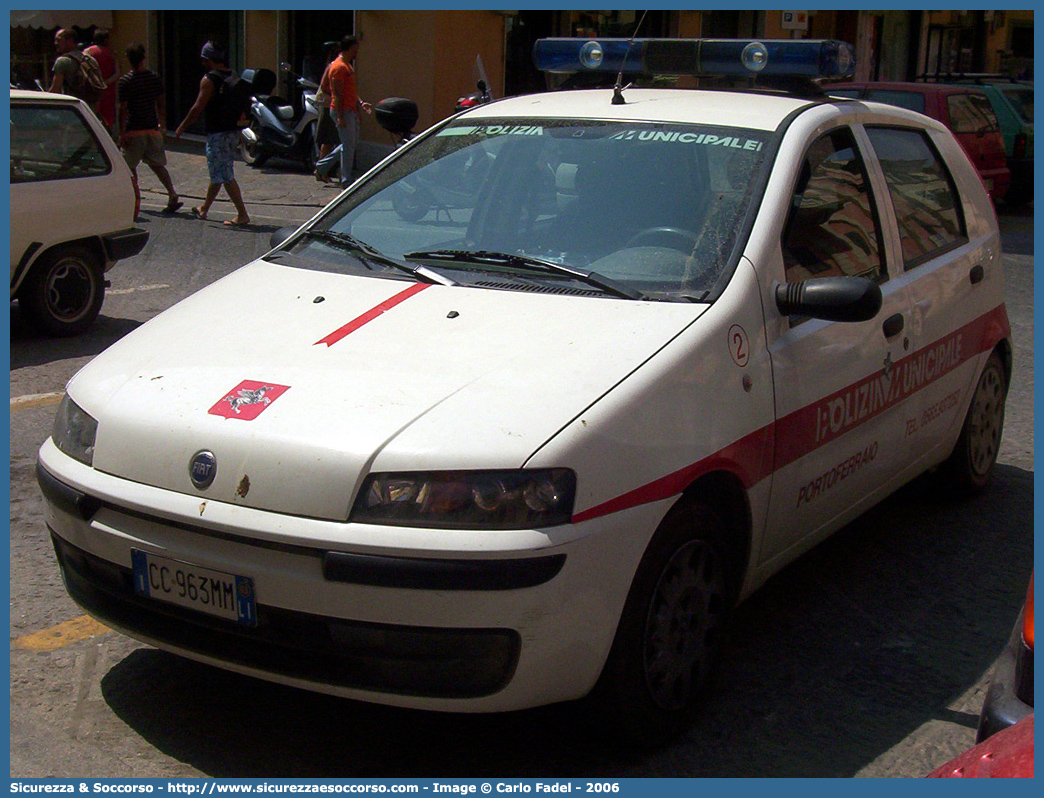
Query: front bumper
(490, 629)
(1009, 697)
(408, 660)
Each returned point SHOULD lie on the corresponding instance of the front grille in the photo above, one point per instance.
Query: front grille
(405, 660)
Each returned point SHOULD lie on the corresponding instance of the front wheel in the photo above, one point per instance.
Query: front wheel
(63, 293)
(251, 150)
(671, 630)
(970, 466)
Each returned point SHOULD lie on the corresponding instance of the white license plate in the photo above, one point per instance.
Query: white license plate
(187, 585)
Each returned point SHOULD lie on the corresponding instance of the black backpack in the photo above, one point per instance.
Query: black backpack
(233, 96)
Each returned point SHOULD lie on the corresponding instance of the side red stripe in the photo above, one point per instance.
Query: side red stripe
(371, 314)
(794, 436)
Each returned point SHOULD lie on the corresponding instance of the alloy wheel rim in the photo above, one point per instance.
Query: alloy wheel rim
(682, 630)
(987, 421)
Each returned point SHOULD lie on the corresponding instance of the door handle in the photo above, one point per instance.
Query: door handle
(976, 275)
(893, 325)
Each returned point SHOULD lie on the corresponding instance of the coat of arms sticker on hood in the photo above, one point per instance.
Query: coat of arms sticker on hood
(248, 400)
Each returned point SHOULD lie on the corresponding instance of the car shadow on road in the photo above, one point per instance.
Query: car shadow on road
(832, 664)
(29, 348)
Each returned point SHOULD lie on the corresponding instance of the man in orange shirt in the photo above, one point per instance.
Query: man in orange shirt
(344, 108)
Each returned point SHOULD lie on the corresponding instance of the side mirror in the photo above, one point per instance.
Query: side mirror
(831, 298)
(281, 235)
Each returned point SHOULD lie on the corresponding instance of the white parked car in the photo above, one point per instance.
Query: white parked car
(532, 433)
(72, 211)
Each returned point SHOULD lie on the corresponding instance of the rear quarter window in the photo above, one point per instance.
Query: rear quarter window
(923, 192)
(971, 113)
(1022, 100)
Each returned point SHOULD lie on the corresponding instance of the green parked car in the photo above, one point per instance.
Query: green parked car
(1013, 104)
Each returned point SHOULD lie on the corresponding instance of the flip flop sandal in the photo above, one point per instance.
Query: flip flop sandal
(173, 206)
(197, 213)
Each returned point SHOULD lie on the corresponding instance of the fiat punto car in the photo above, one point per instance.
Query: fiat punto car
(525, 412)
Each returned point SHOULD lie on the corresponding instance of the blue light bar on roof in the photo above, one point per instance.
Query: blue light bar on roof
(809, 58)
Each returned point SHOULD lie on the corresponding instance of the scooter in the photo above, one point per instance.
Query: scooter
(276, 128)
(480, 97)
(453, 183)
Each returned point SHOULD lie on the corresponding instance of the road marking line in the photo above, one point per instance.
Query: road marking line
(63, 634)
(35, 400)
(137, 289)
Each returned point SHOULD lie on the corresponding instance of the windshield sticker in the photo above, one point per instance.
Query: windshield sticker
(706, 139)
(494, 130)
(248, 400)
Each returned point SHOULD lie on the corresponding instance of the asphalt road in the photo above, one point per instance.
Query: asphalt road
(867, 657)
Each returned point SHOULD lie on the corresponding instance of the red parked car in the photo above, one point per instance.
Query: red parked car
(966, 110)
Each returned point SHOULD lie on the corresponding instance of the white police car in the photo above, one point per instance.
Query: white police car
(526, 411)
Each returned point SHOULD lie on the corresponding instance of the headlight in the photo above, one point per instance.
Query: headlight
(522, 499)
(74, 431)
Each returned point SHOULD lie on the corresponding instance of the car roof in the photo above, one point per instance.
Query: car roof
(750, 110)
(45, 96)
(918, 88)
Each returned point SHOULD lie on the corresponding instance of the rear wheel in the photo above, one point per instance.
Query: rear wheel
(671, 630)
(970, 466)
(251, 150)
(63, 294)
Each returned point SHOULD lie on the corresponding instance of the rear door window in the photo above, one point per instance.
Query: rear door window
(50, 142)
(926, 202)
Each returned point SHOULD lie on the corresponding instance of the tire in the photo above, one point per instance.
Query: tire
(670, 634)
(311, 146)
(970, 466)
(410, 205)
(252, 153)
(1019, 195)
(63, 293)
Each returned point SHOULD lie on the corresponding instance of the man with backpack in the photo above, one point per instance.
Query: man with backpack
(76, 73)
(224, 102)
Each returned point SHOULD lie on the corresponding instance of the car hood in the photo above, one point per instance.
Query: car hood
(300, 382)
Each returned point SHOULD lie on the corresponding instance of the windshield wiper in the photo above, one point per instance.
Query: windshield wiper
(595, 279)
(354, 245)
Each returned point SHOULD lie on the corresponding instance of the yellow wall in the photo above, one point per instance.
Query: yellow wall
(427, 56)
(127, 27)
(260, 45)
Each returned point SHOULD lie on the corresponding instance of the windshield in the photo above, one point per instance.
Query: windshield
(654, 209)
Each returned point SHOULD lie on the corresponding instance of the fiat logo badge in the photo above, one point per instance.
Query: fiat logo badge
(203, 469)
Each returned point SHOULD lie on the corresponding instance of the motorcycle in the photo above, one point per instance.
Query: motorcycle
(276, 127)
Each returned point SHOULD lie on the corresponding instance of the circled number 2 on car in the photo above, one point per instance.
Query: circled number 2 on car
(187, 585)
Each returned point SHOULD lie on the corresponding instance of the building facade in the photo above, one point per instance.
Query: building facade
(433, 57)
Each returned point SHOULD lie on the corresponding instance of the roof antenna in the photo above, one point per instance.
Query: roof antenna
(618, 98)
